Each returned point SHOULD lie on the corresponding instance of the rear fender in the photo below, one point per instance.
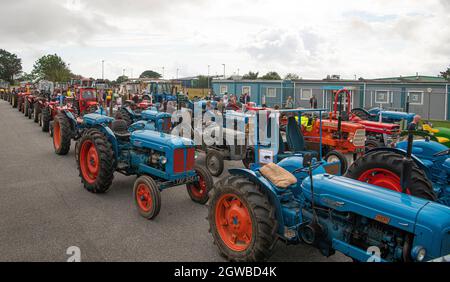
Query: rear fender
(71, 118)
(111, 137)
(268, 189)
(418, 162)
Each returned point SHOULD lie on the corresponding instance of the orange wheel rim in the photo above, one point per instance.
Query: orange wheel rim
(233, 222)
(89, 161)
(383, 178)
(56, 135)
(144, 197)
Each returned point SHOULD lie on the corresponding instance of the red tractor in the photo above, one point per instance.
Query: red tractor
(22, 97)
(378, 134)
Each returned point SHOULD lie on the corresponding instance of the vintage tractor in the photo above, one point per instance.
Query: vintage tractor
(379, 134)
(419, 168)
(338, 136)
(131, 112)
(160, 160)
(380, 115)
(438, 134)
(298, 200)
(67, 124)
(24, 92)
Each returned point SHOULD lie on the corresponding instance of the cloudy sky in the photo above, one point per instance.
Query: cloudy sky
(377, 38)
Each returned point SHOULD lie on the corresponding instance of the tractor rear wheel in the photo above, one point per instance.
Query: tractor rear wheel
(147, 197)
(384, 169)
(124, 115)
(45, 119)
(96, 162)
(19, 104)
(26, 109)
(36, 112)
(242, 220)
(62, 134)
(334, 156)
(214, 162)
(14, 101)
(199, 191)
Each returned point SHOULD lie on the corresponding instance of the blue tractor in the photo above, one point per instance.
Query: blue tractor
(158, 159)
(386, 116)
(297, 200)
(417, 167)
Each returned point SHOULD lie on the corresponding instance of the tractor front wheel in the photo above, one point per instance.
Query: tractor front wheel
(36, 112)
(147, 197)
(199, 190)
(334, 156)
(214, 162)
(96, 162)
(45, 116)
(384, 169)
(242, 220)
(62, 134)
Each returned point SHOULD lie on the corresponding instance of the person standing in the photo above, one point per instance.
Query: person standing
(313, 102)
(289, 103)
(225, 99)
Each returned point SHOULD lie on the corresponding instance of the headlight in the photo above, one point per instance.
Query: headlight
(419, 253)
(162, 160)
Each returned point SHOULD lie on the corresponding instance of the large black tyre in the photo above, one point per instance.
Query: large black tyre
(391, 163)
(19, 103)
(36, 112)
(258, 217)
(147, 197)
(199, 191)
(26, 109)
(124, 115)
(249, 157)
(336, 155)
(96, 176)
(14, 101)
(62, 134)
(361, 113)
(46, 119)
(215, 162)
(373, 144)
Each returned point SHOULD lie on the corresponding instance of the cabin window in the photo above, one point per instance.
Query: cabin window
(271, 92)
(246, 90)
(381, 97)
(223, 89)
(306, 94)
(416, 98)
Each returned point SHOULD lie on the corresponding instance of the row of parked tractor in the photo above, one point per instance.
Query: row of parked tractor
(296, 185)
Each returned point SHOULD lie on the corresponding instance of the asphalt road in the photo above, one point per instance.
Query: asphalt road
(45, 210)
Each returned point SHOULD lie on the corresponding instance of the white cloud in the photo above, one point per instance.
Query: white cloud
(312, 38)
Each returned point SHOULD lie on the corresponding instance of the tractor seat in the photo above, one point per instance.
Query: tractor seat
(295, 140)
(120, 129)
(279, 177)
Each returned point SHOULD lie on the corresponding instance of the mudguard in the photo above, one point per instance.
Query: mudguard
(101, 123)
(428, 221)
(268, 188)
(418, 161)
(71, 117)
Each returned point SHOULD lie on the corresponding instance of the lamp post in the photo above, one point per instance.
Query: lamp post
(177, 73)
(429, 90)
(208, 75)
(224, 71)
(103, 69)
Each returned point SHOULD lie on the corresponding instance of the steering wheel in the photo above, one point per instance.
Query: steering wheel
(443, 153)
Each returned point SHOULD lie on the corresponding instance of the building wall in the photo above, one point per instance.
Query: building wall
(434, 106)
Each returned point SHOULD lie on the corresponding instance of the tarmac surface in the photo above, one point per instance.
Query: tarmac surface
(45, 210)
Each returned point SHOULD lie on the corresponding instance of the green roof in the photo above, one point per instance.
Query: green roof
(420, 78)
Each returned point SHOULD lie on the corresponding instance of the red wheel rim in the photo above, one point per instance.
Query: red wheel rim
(234, 223)
(144, 197)
(89, 162)
(56, 135)
(198, 189)
(383, 178)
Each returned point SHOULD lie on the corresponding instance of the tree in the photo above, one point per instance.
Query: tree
(10, 65)
(150, 74)
(27, 77)
(203, 81)
(51, 68)
(446, 74)
(272, 75)
(251, 75)
(121, 79)
(292, 76)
